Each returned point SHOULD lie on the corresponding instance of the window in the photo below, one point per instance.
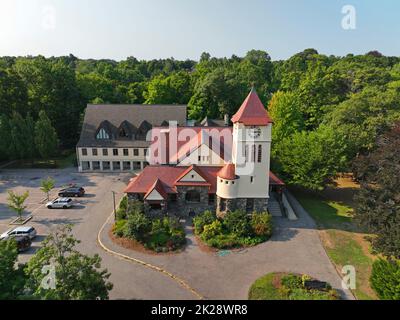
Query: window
(94, 152)
(259, 157)
(84, 152)
(253, 153)
(251, 179)
(126, 165)
(122, 133)
(102, 135)
(116, 165)
(192, 196)
(105, 152)
(199, 158)
(145, 151)
(96, 165)
(106, 165)
(246, 153)
(126, 152)
(115, 152)
(135, 152)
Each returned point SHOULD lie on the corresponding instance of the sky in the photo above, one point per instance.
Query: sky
(183, 29)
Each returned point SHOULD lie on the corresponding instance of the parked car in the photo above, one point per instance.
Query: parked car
(19, 231)
(72, 192)
(23, 243)
(60, 203)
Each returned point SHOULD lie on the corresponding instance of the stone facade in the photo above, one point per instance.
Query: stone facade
(227, 205)
(180, 207)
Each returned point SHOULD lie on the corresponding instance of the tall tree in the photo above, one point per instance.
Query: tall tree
(378, 202)
(45, 136)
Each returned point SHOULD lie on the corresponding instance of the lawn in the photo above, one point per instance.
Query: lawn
(344, 243)
(273, 286)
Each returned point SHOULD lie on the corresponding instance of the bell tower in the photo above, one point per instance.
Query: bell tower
(250, 156)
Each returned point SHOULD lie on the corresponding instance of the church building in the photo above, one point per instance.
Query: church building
(220, 168)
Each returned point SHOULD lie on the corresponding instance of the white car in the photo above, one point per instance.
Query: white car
(19, 231)
(60, 203)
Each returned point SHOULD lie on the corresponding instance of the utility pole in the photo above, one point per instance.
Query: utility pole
(115, 211)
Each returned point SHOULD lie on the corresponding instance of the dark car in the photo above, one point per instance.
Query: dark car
(23, 243)
(72, 192)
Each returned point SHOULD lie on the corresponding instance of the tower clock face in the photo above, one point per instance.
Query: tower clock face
(254, 132)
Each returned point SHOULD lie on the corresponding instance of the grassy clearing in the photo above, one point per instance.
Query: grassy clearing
(343, 242)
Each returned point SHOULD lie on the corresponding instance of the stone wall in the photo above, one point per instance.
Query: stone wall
(184, 208)
(260, 205)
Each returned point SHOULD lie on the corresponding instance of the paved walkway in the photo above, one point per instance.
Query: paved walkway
(294, 247)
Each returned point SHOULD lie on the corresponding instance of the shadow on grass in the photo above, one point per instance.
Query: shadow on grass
(328, 213)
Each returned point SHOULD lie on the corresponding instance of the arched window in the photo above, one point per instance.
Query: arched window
(192, 196)
(102, 134)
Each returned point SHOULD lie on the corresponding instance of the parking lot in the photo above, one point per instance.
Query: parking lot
(98, 189)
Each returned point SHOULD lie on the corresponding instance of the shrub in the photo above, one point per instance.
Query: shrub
(212, 230)
(261, 224)
(292, 281)
(237, 222)
(119, 228)
(135, 206)
(223, 241)
(137, 226)
(206, 218)
(385, 279)
(121, 214)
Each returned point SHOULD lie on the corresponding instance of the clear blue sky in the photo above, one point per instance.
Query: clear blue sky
(184, 29)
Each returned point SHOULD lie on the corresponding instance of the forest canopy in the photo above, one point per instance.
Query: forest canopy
(326, 109)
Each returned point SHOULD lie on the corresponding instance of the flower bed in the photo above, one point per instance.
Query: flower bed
(156, 234)
(237, 229)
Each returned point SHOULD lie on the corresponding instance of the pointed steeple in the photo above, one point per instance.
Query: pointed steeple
(252, 112)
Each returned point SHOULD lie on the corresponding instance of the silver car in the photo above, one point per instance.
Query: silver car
(19, 231)
(59, 203)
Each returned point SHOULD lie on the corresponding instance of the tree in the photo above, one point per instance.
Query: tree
(12, 278)
(16, 202)
(378, 202)
(77, 276)
(7, 149)
(45, 136)
(46, 185)
(285, 112)
(385, 279)
(311, 159)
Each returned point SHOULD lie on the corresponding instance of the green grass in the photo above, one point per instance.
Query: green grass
(345, 250)
(264, 289)
(340, 241)
(326, 213)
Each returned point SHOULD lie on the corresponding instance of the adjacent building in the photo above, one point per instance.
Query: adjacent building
(117, 138)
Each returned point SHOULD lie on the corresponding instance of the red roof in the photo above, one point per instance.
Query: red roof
(165, 179)
(168, 176)
(274, 180)
(252, 112)
(158, 186)
(187, 140)
(227, 172)
(194, 168)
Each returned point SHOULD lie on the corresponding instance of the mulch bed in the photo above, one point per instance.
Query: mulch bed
(137, 246)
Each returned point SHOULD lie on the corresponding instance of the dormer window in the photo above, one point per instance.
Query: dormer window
(102, 135)
(123, 133)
